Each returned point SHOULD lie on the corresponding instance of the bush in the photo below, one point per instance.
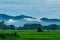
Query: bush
(7, 35)
(15, 34)
(39, 29)
(3, 36)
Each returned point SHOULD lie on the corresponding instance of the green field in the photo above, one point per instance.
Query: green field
(33, 35)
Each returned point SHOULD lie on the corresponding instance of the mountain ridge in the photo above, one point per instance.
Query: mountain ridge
(22, 19)
(7, 17)
(51, 20)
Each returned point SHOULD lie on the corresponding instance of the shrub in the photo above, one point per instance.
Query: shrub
(39, 29)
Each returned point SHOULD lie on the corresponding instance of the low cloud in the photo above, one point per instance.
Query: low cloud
(11, 21)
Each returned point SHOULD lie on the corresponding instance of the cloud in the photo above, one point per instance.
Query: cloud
(20, 2)
(30, 19)
(53, 1)
(10, 21)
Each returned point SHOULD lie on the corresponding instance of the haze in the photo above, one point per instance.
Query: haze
(34, 8)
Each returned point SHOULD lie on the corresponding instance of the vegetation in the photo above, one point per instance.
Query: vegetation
(39, 29)
(3, 26)
(29, 32)
(30, 35)
(29, 27)
(11, 27)
(52, 27)
(25, 27)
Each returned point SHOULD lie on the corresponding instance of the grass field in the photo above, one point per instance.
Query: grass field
(33, 35)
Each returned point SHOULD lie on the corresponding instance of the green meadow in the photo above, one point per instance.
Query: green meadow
(32, 35)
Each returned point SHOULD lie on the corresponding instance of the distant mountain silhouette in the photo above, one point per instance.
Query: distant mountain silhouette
(17, 20)
(22, 16)
(22, 19)
(46, 21)
(50, 20)
(7, 17)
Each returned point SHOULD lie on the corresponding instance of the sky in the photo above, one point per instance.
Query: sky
(34, 8)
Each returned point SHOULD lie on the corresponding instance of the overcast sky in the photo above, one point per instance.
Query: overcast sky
(34, 8)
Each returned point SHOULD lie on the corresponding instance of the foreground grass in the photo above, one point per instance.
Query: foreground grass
(33, 35)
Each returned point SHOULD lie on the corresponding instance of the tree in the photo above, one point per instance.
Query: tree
(11, 27)
(20, 28)
(31, 26)
(3, 26)
(53, 27)
(39, 29)
(2, 22)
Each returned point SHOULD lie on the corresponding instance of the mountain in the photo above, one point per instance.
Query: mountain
(46, 21)
(22, 19)
(50, 20)
(21, 22)
(7, 17)
(17, 20)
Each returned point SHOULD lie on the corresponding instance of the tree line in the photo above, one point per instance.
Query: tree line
(29, 27)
